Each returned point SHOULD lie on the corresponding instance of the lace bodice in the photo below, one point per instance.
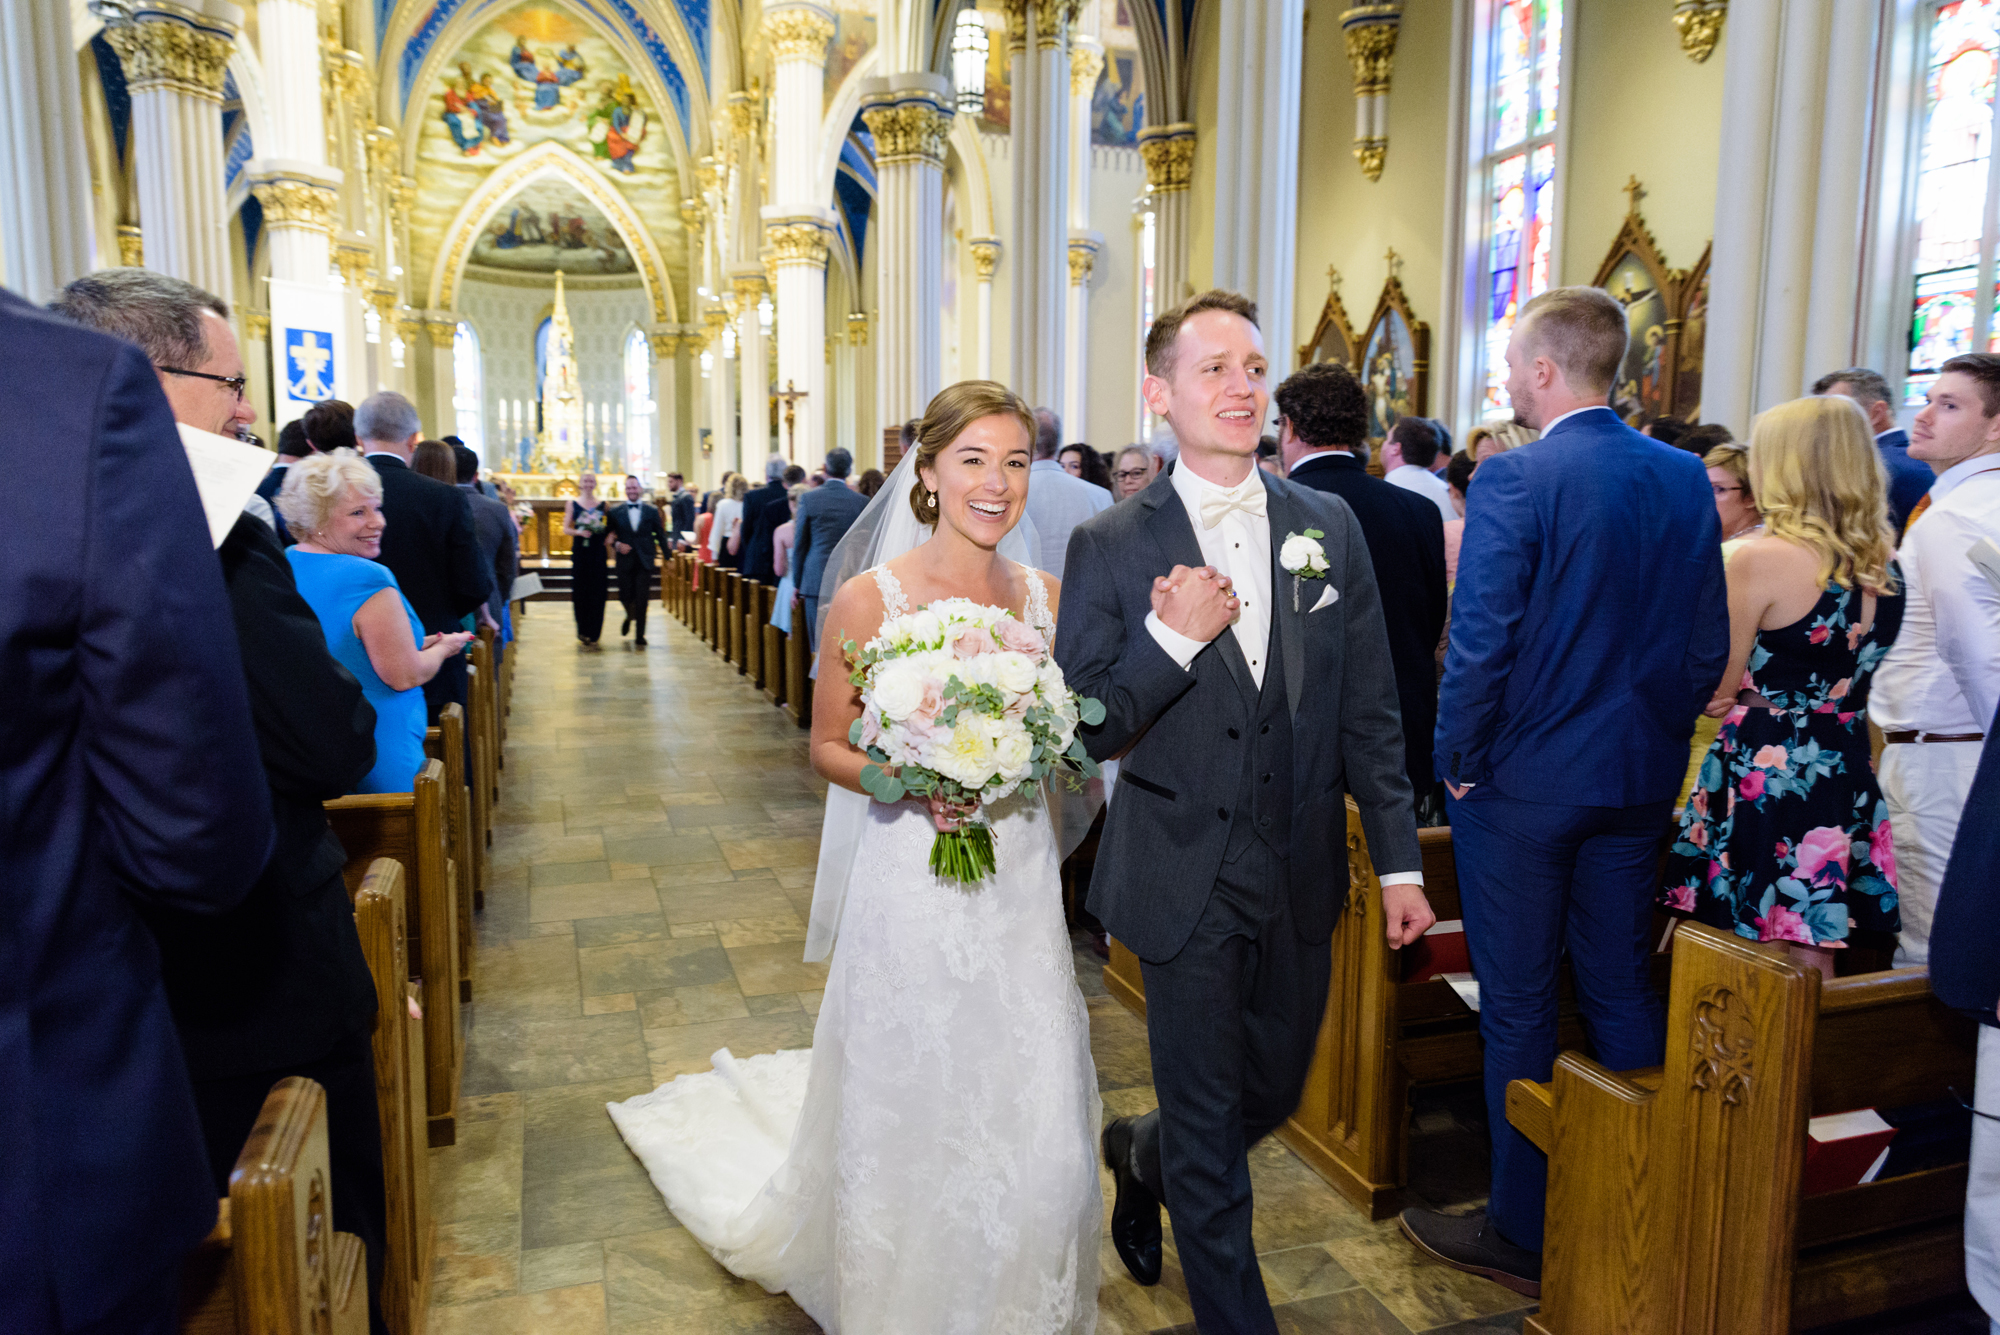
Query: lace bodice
(1036, 613)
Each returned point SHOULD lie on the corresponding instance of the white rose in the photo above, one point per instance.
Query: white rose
(898, 689)
(968, 756)
(1298, 552)
(924, 627)
(1053, 686)
(1013, 672)
(1012, 753)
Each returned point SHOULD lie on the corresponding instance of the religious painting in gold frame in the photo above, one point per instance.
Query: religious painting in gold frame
(1692, 337)
(1333, 337)
(1395, 361)
(1635, 274)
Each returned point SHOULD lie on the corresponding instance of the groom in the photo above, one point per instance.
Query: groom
(1229, 622)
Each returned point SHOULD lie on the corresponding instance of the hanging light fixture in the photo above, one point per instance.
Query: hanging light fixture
(969, 44)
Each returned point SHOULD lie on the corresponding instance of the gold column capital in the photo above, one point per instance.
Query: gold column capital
(353, 260)
(131, 245)
(257, 324)
(1082, 260)
(291, 202)
(1168, 151)
(857, 328)
(1699, 23)
(908, 126)
(796, 241)
(442, 333)
(1370, 31)
(1086, 63)
(798, 33)
(172, 48)
(985, 256)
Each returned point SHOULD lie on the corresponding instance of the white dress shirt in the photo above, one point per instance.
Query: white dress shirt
(1943, 672)
(1426, 484)
(1305, 459)
(1240, 547)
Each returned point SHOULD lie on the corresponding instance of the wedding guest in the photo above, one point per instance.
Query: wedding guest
(1131, 469)
(868, 484)
(781, 545)
(764, 508)
(1909, 478)
(725, 536)
(499, 539)
(292, 447)
(639, 541)
(1090, 466)
(1940, 685)
(329, 426)
(1071, 459)
(824, 515)
(1057, 500)
(1407, 456)
(584, 524)
(1702, 437)
(1666, 430)
(1786, 837)
(434, 459)
(1457, 477)
(1735, 497)
(681, 504)
(334, 503)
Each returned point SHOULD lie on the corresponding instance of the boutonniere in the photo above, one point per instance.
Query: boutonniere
(1302, 555)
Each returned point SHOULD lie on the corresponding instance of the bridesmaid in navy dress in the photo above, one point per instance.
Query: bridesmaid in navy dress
(1785, 836)
(590, 580)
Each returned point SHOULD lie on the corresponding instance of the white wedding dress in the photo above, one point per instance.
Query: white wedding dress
(930, 1166)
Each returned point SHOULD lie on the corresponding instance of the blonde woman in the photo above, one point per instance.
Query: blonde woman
(1728, 468)
(1786, 837)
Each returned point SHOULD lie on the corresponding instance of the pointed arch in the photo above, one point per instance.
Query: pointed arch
(548, 158)
(838, 120)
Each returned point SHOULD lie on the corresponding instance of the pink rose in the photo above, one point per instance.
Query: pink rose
(1698, 834)
(1700, 800)
(1681, 897)
(1840, 688)
(1770, 757)
(1854, 636)
(932, 702)
(1752, 785)
(1882, 851)
(973, 642)
(1783, 925)
(1783, 852)
(1823, 847)
(1021, 638)
(871, 728)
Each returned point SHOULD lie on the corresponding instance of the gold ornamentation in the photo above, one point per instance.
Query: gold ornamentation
(796, 241)
(306, 205)
(798, 34)
(1370, 31)
(692, 214)
(1723, 1038)
(911, 128)
(749, 289)
(1373, 155)
(443, 333)
(257, 325)
(857, 328)
(1169, 154)
(1017, 24)
(167, 51)
(1053, 20)
(715, 319)
(707, 174)
(381, 143)
(665, 345)
(1082, 259)
(1086, 63)
(353, 262)
(347, 76)
(745, 110)
(409, 329)
(131, 246)
(1699, 23)
(402, 197)
(985, 256)
(384, 302)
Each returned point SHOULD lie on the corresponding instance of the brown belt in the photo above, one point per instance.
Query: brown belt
(1892, 738)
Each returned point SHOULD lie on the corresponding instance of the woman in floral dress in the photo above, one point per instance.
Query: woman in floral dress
(1785, 837)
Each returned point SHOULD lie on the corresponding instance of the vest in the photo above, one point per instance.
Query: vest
(1264, 806)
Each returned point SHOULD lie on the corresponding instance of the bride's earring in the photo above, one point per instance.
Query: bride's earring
(933, 501)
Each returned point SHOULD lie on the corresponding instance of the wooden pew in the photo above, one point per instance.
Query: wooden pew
(756, 611)
(798, 686)
(1380, 1037)
(381, 920)
(733, 642)
(740, 614)
(1674, 1199)
(273, 1265)
(485, 777)
(776, 653)
(410, 828)
(446, 742)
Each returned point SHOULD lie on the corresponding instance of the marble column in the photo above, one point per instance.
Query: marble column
(907, 115)
(666, 344)
(721, 401)
(1168, 151)
(753, 358)
(1083, 245)
(985, 262)
(299, 200)
(1257, 163)
(1038, 50)
(45, 215)
(174, 59)
(439, 330)
(1786, 272)
(797, 247)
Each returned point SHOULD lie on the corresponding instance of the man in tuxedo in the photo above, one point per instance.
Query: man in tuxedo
(493, 524)
(292, 446)
(825, 513)
(1586, 635)
(430, 544)
(1322, 417)
(764, 508)
(638, 540)
(134, 780)
(1909, 479)
(681, 506)
(1229, 622)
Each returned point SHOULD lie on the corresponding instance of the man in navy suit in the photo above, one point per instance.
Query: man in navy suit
(133, 779)
(1586, 635)
(825, 514)
(1909, 479)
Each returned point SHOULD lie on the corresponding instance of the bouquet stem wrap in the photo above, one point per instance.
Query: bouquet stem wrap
(964, 855)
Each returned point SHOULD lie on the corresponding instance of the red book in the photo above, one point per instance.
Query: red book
(1844, 1150)
(1439, 951)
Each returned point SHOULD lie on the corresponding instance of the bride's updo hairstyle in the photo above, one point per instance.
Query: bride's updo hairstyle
(955, 408)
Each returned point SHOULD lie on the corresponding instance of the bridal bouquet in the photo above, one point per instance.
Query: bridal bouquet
(965, 703)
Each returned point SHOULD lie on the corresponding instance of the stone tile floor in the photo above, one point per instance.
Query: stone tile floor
(652, 872)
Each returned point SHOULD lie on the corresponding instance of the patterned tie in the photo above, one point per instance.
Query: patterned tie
(1216, 504)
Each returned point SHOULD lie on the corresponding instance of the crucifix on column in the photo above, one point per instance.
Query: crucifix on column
(791, 395)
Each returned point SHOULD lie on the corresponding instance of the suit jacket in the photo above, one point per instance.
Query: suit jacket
(1405, 537)
(1965, 939)
(647, 542)
(1184, 731)
(1586, 632)
(493, 526)
(131, 777)
(763, 510)
(279, 979)
(825, 514)
(683, 508)
(430, 544)
(269, 488)
(1909, 479)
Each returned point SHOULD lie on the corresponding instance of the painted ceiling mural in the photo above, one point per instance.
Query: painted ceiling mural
(538, 72)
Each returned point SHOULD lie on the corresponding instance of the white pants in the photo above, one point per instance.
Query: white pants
(1925, 785)
(1982, 1188)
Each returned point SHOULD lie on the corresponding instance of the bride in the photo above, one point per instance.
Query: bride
(929, 1166)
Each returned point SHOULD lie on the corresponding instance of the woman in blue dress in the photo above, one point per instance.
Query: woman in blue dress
(333, 504)
(1785, 836)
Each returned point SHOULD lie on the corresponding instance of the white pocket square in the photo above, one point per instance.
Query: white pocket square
(1327, 598)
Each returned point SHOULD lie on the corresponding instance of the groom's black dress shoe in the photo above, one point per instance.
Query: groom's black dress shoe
(1471, 1244)
(1135, 1213)
(626, 629)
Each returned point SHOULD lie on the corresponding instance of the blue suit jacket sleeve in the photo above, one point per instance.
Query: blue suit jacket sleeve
(1708, 641)
(1496, 569)
(185, 812)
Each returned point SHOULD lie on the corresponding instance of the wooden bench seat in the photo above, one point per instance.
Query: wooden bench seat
(1674, 1194)
(273, 1265)
(447, 743)
(410, 828)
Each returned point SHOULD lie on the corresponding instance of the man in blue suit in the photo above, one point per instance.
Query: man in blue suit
(825, 514)
(132, 778)
(1586, 635)
(1909, 479)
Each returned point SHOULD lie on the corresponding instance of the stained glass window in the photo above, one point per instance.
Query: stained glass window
(468, 396)
(1953, 241)
(637, 410)
(1518, 171)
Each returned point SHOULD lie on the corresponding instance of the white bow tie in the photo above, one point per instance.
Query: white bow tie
(1215, 505)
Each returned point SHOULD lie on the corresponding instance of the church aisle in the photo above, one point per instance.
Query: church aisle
(652, 872)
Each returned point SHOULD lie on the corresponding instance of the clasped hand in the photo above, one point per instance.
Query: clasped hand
(1197, 603)
(457, 640)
